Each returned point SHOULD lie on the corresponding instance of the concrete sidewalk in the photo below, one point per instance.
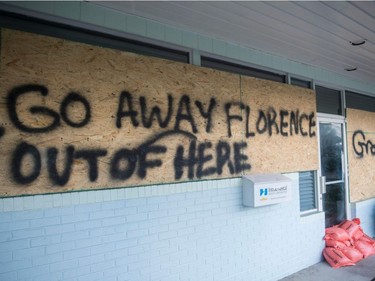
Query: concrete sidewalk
(364, 270)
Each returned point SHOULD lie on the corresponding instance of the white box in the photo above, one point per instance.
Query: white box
(265, 189)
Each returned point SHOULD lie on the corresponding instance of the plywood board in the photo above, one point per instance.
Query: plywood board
(361, 154)
(80, 117)
(120, 144)
(282, 134)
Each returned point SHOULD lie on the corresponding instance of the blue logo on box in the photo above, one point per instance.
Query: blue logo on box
(263, 191)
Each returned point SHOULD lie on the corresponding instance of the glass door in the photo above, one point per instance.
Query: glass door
(332, 171)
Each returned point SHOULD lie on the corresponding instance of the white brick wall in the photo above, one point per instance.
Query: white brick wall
(178, 234)
(365, 210)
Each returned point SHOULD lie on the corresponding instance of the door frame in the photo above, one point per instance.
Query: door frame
(330, 118)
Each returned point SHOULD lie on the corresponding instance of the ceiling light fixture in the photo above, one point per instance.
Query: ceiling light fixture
(358, 42)
(351, 68)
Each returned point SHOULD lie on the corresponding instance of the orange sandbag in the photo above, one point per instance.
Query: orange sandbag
(337, 244)
(367, 239)
(365, 248)
(352, 228)
(358, 234)
(336, 258)
(357, 221)
(336, 233)
(353, 254)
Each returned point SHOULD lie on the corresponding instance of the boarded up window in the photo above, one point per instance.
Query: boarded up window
(361, 153)
(77, 117)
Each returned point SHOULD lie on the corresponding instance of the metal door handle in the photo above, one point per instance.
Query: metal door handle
(323, 188)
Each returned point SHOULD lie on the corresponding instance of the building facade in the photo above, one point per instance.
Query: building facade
(140, 219)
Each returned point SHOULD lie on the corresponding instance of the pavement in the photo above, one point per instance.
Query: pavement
(364, 270)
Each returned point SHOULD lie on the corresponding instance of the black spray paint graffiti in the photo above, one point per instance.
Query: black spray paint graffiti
(268, 121)
(198, 160)
(72, 97)
(361, 146)
(126, 109)
(135, 160)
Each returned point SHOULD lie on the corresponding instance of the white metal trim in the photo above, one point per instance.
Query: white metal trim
(325, 117)
(309, 212)
(346, 172)
(330, 118)
(288, 79)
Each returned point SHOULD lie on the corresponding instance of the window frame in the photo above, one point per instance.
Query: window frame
(341, 101)
(96, 36)
(303, 80)
(233, 66)
(359, 96)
